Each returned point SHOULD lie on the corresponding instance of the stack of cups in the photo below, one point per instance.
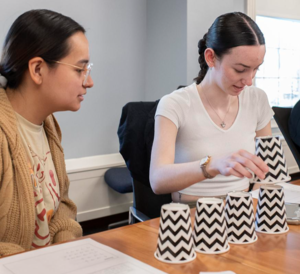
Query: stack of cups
(215, 227)
(270, 212)
(175, 242)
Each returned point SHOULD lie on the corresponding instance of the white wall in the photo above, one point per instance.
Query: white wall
(141, 50)
(174, 28)
(165, 47)
(201, 15)
(116, 30)
(117, 34)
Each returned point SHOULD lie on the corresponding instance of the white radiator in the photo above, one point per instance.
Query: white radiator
(93, 197)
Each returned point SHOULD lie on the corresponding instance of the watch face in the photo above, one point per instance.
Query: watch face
(204, 161)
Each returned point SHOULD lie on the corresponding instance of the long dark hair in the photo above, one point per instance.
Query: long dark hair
(228, 31)
(35, 33)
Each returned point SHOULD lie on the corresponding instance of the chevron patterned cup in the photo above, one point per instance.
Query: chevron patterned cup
(210, 236)
(240, 218)
(175, 241)
(269, 149)
(270, 210)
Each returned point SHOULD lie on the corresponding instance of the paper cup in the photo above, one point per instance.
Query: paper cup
(175, 242)
(270, 211)
(240, 218)
(210, 236)
(269, 149)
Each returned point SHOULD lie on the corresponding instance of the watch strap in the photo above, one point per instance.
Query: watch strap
(204, 171)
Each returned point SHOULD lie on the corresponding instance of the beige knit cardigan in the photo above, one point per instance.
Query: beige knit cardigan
(17, 211)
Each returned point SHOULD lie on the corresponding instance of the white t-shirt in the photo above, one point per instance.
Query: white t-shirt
(44, 179)
(198, 136)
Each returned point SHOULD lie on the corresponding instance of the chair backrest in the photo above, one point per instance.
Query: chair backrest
(146, 201)
(136, 134)
(282, 115)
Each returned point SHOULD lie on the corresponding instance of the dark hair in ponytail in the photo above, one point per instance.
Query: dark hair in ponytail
(228, 31)
(35, 33)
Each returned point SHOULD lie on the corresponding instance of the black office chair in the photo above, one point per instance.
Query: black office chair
(136, 133)
(282, 115)
(119, 179)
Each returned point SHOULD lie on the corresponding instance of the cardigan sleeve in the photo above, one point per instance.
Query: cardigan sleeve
(63, 226)
(9, 248)
(6, 192)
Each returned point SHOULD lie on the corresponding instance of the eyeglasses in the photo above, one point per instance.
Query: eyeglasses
(87, 69)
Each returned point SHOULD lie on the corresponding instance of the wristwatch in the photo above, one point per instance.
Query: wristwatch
(203, 163)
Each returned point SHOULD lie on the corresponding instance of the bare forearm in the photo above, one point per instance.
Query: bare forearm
(168, 178)
(174, 177)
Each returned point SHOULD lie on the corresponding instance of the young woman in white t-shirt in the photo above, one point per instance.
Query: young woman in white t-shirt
(204, 133)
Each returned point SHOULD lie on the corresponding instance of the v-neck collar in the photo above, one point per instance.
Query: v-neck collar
(206, 113)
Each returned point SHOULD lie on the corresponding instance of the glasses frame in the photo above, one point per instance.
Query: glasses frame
(87, 70)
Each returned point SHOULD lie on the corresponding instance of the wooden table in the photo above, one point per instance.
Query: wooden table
(270, 254)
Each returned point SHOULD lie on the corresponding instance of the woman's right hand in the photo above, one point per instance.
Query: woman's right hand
(238, 164)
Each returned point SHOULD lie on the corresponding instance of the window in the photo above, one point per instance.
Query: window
(279, 76)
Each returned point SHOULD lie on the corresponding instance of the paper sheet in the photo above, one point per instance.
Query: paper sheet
(291, 193)
(80, 257)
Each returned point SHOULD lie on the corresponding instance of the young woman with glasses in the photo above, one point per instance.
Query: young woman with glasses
(204, 133)
(44, 68)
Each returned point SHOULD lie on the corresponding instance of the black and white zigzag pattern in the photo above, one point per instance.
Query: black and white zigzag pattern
(271, 152)
(240, 220)
(270, 212)
(175, 242)
(210, 228)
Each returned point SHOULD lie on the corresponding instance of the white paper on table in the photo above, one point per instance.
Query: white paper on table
(291, 193)
(80, 257)
(222, 272)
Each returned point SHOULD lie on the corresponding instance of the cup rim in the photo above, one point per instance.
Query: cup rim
(214, 252)
(271, 232)
(175, 207)
(193, 257)
(271, 187)
(267, 137)
(266, 182)
(238, 194)
(244, 243)
(209, 200)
